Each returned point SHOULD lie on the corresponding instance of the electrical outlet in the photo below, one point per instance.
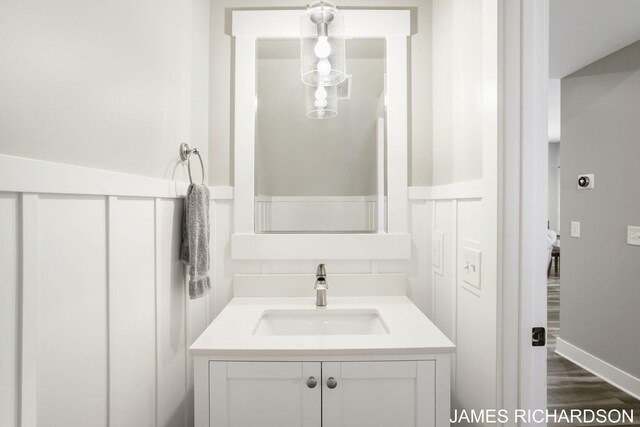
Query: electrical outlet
(633, 235)
(575, 229)
(437, 249)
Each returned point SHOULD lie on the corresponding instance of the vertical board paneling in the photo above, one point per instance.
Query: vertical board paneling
(133, 316)
(95, 318)
(197, 314)
(29, 318)
(473, 318)
(9, 309)
(213, 265)
(455, 309)
(110, 287)
(445, 286)
(419, 288)
(72, 312)
(196, 323)
(470, 220)
(112, 227)
(222, 262)
(171, 316)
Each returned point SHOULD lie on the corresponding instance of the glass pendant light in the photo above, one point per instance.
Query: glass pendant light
(322, 101)
(322, 45)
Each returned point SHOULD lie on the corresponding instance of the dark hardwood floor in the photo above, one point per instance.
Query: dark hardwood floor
(570, 386)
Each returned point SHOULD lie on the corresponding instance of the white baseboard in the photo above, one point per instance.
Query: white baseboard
(598, 367)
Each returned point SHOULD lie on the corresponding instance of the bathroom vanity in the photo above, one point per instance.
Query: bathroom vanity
(309, 190)
(369, 358)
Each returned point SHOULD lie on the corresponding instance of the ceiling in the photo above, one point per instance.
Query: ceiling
(583, 31)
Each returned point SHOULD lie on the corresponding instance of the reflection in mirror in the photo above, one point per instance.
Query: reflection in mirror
(320, 175)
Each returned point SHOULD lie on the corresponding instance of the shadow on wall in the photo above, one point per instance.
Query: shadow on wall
(604, 76)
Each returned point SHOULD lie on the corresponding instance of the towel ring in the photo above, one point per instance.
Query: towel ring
(185, 154)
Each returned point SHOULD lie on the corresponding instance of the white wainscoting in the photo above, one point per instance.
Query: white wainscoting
(455, 212)
(95, 318)
(96, 332)
(319, 213)
(9, 308)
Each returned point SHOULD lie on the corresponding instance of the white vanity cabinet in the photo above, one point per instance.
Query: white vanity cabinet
(265, 394)
(325, 394)
(254, 366)
(378, 394)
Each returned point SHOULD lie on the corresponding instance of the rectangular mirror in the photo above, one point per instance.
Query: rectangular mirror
(320, 175)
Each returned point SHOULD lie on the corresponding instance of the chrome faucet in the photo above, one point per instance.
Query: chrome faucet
(321, 286)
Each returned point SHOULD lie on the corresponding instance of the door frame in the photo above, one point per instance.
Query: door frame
(523, 205)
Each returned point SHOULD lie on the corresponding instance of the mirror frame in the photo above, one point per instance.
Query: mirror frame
(394, 27)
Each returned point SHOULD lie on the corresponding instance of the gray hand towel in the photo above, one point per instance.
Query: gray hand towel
(195, 239)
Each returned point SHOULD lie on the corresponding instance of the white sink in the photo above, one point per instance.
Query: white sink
(321, 322)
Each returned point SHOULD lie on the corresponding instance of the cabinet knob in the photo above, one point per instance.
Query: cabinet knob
(312, 382)
(332, 383)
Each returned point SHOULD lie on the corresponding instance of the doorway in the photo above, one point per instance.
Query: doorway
(594, 72)
(598, 299)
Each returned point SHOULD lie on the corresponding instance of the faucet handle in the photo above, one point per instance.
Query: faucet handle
(321, 272)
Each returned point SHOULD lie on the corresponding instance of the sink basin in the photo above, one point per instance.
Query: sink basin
(321, 322)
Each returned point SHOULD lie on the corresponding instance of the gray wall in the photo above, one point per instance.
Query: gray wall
(600, 273)
(112, 85)
(118, 84)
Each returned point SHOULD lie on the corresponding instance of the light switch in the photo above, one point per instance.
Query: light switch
(633, 235)
(575, 229)
(437, 249)
(471, 266)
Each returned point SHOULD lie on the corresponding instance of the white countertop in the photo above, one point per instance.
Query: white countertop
(231, 334)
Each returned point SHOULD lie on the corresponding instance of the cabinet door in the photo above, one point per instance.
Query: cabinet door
(378, 394)
(264, 394)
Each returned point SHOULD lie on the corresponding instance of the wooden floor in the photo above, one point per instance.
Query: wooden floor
(570, 386)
